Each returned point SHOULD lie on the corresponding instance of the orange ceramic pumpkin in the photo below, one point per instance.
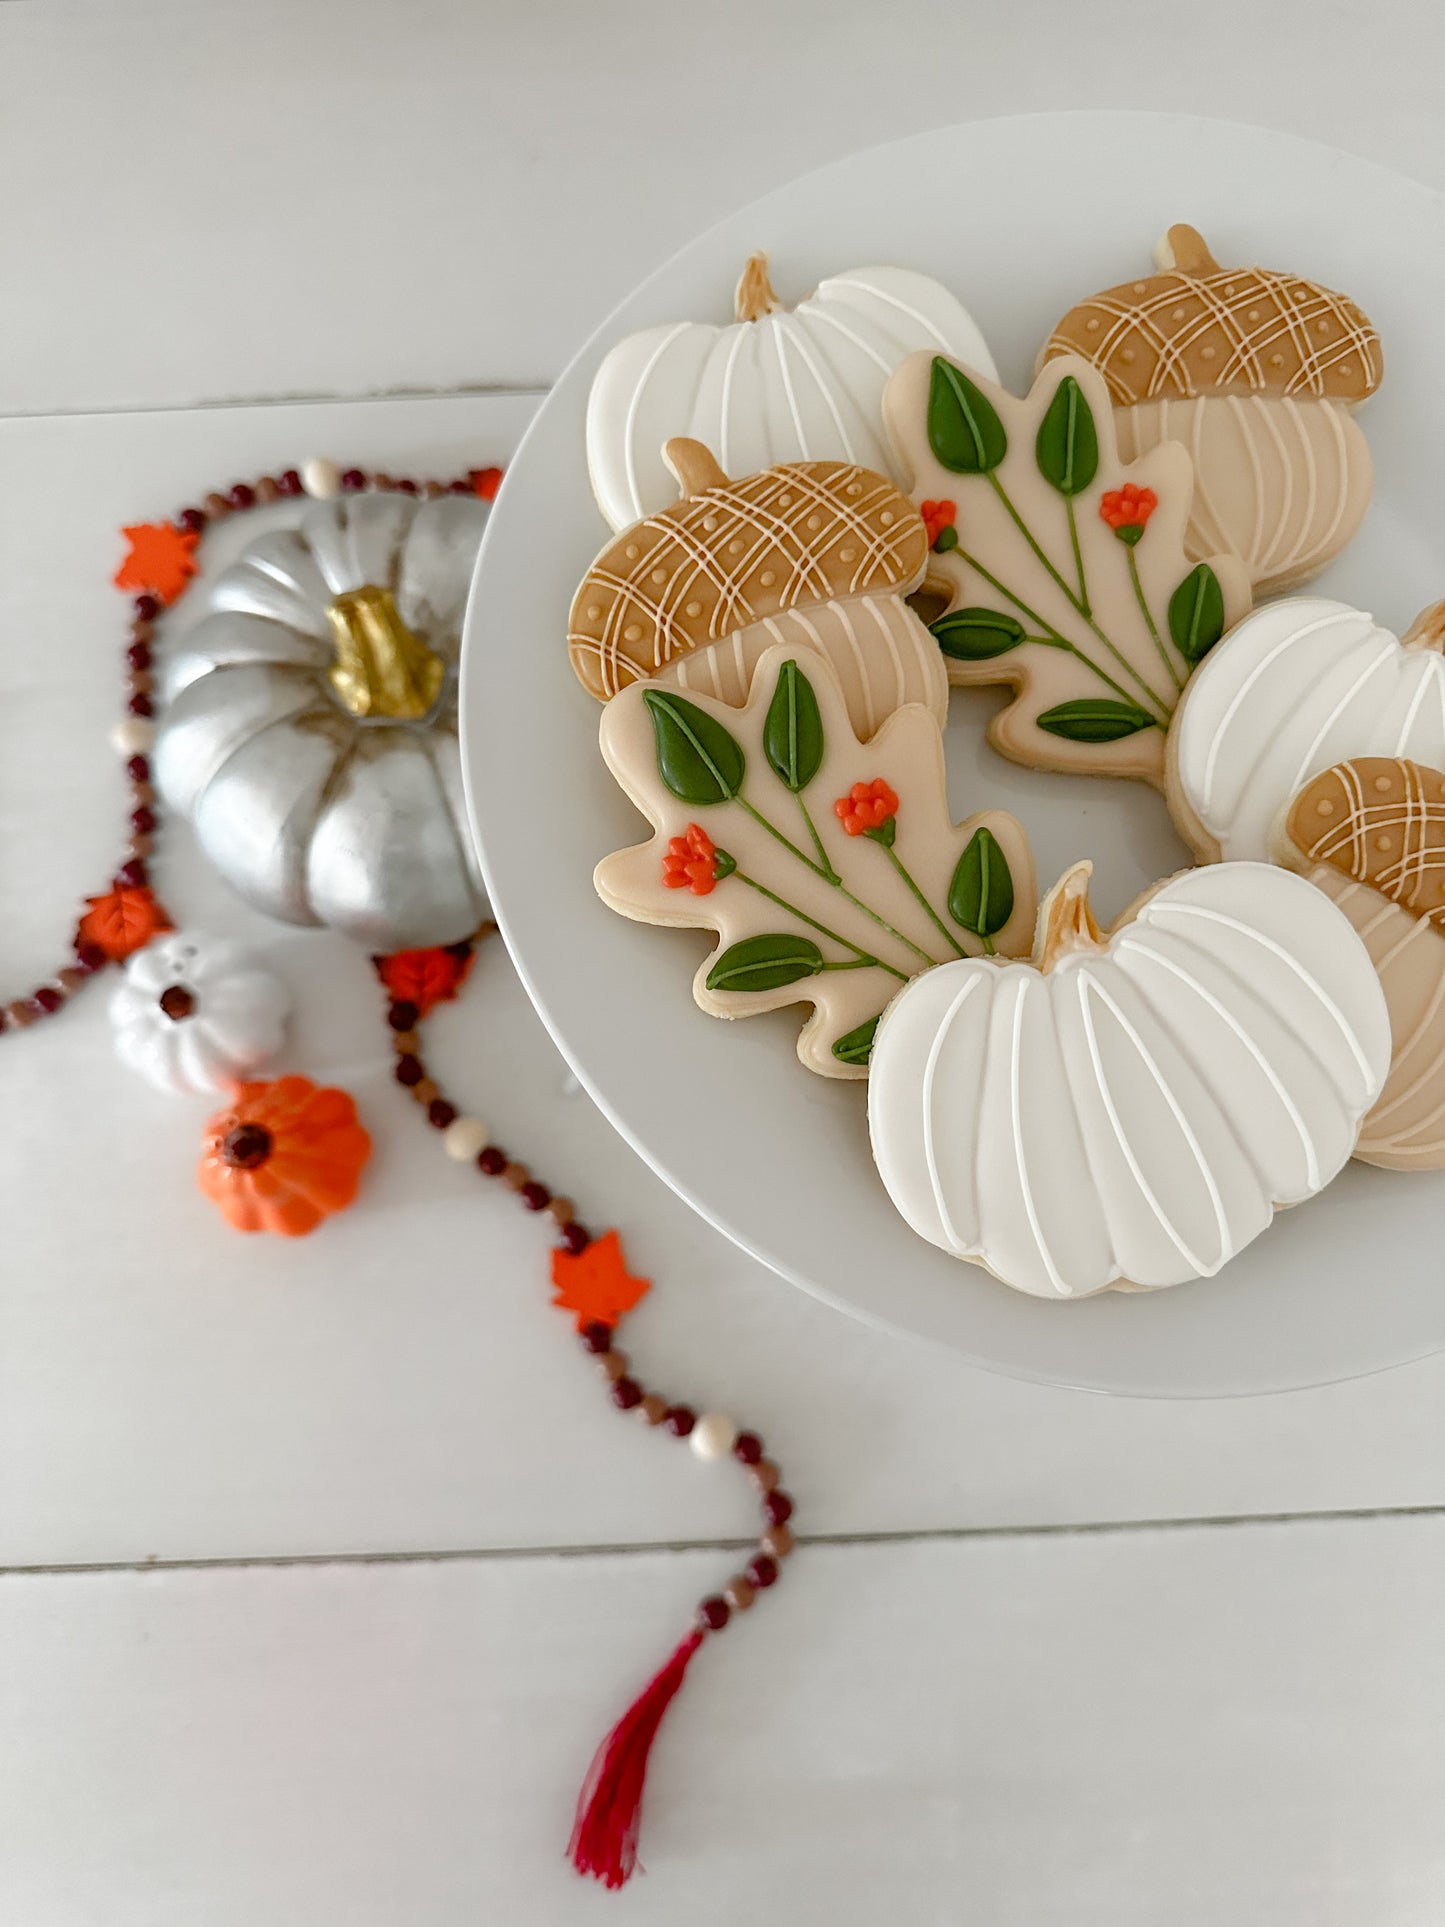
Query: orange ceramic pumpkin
(283, 1156)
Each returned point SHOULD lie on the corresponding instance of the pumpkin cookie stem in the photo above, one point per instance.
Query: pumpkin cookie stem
(1153, 630)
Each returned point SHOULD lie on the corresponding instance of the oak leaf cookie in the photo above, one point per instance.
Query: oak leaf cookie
(1131, 1109)
(1370, 833)
(776, 384)
(1258, 375)
(1300, 685)
(817, 555)
(829, 868)
(1063, 566)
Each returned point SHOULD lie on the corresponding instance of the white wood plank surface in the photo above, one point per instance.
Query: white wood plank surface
(1187, 1726)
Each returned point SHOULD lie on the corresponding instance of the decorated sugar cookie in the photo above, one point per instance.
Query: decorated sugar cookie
(817, 555)
(829, 868)
(1370, 833)
(1258, 375)
(776, 385)
(1064, 566)
(1298, 686)
(1131, 1109)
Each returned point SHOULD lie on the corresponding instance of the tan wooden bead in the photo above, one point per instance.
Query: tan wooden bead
(143, 795)
(561, 1211)
(764, 1474)
(405, 1042)
(612, 1365)
(425, 1092)
(515, 1176)
(431, 490)
(652, 1410)
(740, 1592)
(19, 1014)
(216, 506)
(140, 844)
(778, 1541)
(70, 978)
(267, 489)
(142, 631)
(382, 481)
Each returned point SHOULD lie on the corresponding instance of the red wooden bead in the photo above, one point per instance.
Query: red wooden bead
(462, 486)
(138, 769)
(492, 1162)
(289, 481)
(409, 1070)
(352, 479)
(439, 1113)
(140, 706)
(90, 957)
(147, 607)
(143, 821)
(714, 1612)
(138, 656)
(596, 1336)
(576, 1237)
(680, 1420)
(406, 487)
(403, 1015)
(763, 1571)
(191, 520)
(747, 1448)
(134, 874)
(626, 1392)
(47, 998)
(777, 1508)
(535, 1196)
(242, 496)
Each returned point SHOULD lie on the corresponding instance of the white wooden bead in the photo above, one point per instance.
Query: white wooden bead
(320, 477)
(713, 1436)
(132, 736)
(463, 1138)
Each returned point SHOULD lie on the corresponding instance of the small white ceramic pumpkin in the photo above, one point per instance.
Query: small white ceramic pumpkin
(194, 1014)
(775, 385)
(1300, 685)
(1131, 1110)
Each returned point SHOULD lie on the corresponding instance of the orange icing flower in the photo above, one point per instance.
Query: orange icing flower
(284, 1156)
(867, 806)
(161, 560)
(938, 516)
(692, 862)
(1127, 509)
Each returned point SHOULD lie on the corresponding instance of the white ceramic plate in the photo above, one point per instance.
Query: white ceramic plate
(1021, 217)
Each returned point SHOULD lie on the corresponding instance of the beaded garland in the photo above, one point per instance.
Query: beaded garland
(589, 1273)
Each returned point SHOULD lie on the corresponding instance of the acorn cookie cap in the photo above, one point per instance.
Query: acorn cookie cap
(1199, 329)
(734, 553)
(1379, 820)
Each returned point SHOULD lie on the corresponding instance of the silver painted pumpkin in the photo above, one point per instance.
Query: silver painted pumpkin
(310, 721)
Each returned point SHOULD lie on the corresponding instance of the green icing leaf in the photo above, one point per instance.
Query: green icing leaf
(793, 730)
(981, 895)
(1094, 719)
(1196, 613)
(976, 635)
(765, 963)
(964, 430)
(857, 1046)
(1067, 449)
(696, 757)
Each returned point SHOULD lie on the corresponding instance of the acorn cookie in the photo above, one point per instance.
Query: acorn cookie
(1258, 374)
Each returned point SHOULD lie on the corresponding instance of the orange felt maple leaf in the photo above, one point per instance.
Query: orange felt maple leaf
(123, 920)
(161, 559)
(485, 482)
(425, 978)
(596, 1283)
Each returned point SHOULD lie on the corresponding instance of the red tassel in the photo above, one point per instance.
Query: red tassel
(609, 1808)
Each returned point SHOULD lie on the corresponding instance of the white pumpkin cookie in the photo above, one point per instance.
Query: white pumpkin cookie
(1370, 833)
(830, 869)
(776, 385)
(817, 555)
(1131, 1109)
(1299, 686)
(1258, 375)
(1063, 567)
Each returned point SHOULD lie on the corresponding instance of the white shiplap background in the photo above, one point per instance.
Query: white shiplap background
(367, 1564)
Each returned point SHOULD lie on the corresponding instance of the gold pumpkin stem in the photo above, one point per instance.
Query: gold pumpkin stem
(694, 465)
(754, 297)
(1066, 922)
(381, 668)
(1185, 250)
(1427, 631)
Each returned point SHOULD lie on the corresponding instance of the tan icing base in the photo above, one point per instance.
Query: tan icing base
(1045, 676)
(883, 656)
(908, 753)
(1406, 1129)
(1283, 483)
